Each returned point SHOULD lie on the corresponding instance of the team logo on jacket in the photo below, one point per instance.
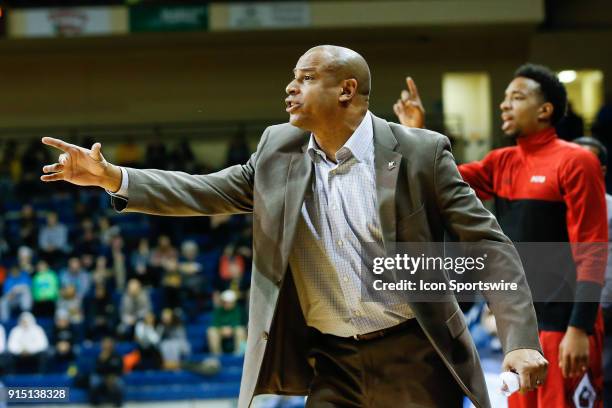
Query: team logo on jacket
(585, 394)
(538, 179)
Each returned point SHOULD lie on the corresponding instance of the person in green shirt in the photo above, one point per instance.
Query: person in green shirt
(45, 290)
(227, 323)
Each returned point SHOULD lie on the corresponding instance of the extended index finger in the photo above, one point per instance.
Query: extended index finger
(57, 143)
(414, 92)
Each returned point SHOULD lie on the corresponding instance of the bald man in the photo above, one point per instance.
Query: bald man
(321, 187)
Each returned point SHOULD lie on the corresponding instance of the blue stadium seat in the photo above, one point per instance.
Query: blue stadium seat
(196, 335)
(204, 319)
(38, 380)
(174, 392)
(93, 349)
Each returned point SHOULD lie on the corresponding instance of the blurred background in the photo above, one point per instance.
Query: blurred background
(155, 308)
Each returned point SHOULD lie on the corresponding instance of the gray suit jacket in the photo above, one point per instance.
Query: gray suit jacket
(418, 200)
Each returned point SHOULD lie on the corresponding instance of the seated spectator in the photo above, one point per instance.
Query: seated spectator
(174, 344)
(128, 153)
(74, 275)
(182, 158)
(4, 362)
(25, 257)
(53, 240)
(2, 340)
(64, 339)
(163, 252)
(107, 231)
(28, 345)
(4, 244)
(87, 241)
(3, 275)
(231, 276)
(148, 341)
(71, 304)
(101, 273)
(156, 156)
(106, 384)
(193, 279)
(100, 312)
(32, 159)
(119, 263)
(135, 305)
(171, 284)
(45, 290)
(238, 151)
(87, 262)
(10, 165)
(28, 227)
(16, 293)
(140, 267)
(227, 326)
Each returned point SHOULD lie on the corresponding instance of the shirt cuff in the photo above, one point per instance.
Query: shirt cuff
(123, 190)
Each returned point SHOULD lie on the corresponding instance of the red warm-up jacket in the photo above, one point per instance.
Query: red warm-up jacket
(547, 190)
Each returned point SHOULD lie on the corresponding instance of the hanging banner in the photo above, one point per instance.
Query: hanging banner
(152, 18)
(265, 15)
(68, 21)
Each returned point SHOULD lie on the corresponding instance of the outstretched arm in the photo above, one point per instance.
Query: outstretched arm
(157, 191)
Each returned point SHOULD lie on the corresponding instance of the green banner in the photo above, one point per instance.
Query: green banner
(148, 18)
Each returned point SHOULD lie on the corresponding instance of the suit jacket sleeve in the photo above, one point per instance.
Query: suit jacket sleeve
(466, 218)
(176, 193)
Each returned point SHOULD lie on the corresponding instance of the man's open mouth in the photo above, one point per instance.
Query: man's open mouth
(291, 106)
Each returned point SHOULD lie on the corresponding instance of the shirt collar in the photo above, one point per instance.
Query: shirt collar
(360, 145)
(537, 140)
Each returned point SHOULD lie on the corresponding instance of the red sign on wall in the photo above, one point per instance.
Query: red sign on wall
(2, 20)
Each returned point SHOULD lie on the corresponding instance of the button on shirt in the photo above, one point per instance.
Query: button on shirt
(338, 216)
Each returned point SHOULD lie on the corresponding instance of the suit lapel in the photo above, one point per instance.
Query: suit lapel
(386, 164)
(298, 180)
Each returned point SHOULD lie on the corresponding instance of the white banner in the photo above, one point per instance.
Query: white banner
(68, 22)
(248, 16)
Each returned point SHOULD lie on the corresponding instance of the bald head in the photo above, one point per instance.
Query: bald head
(331, 85)
(344, 63)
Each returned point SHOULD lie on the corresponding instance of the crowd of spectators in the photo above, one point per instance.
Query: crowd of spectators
(74, 272)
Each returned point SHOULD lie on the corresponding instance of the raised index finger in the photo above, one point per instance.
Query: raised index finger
(414, 92)
(57, 143)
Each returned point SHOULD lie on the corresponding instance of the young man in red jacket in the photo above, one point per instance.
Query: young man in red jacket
(547, 190)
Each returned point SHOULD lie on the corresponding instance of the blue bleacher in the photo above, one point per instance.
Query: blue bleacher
(140, 385)
(196, 335)
(145, 385)
(175, 392)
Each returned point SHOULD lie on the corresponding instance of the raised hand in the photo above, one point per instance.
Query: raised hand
(409, 108)
(80, 166)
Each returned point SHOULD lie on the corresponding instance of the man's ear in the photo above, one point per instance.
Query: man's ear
(546, 111)
(349, 89)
